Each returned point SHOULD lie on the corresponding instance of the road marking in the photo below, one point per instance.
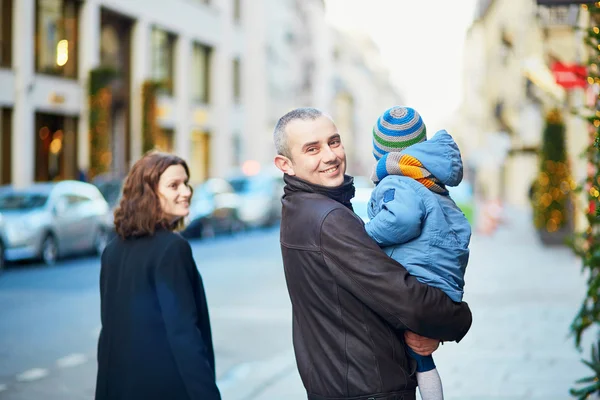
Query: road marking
(256, 374)
(235, 374)
(3, 387)
(72, 360)
(32, 375)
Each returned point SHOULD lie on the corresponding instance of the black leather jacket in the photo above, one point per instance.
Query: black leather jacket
(351, 302)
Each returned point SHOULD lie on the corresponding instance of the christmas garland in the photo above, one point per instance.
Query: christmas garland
(552, 189)
(100, 100)
(587, 243)
(150, 128)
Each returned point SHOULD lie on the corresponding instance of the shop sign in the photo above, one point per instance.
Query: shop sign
(56, 98)
(570, 76)
(550, 3)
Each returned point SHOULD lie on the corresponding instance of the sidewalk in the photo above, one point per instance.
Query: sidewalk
(523, 297)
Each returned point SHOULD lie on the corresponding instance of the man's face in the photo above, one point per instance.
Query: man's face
(317, 153)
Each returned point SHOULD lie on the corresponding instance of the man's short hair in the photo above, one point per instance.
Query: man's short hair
(280, 135)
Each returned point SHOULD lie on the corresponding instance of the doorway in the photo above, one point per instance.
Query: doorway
(55, 147)
(5, 145)
(115, 53)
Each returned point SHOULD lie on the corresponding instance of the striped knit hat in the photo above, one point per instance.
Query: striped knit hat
(397, 129)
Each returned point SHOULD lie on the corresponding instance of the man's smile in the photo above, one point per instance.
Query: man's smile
(331, 170)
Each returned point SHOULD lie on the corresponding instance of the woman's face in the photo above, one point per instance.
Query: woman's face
(174, 193)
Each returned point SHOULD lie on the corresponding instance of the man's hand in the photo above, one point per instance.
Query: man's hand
(421, 345)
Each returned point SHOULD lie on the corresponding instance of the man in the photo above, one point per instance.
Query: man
(352, 304)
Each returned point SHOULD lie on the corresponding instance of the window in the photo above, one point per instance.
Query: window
(5, 32)
(237, 78)
(5, 145)
(201, 73)
(237, 10)
(237, 149)
(165, 140)
(163, 53)
(56, 37)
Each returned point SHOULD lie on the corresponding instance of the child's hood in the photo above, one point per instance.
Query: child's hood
(440, 156)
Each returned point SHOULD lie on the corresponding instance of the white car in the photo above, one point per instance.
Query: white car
(49, 220)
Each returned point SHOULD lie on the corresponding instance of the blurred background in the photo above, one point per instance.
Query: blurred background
(87, 86)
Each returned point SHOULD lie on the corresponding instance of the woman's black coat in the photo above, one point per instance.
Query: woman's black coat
(156, 340)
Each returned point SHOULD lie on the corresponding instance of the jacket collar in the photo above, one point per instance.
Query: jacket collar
(342, 194)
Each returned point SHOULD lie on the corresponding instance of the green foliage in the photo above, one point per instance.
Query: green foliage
(587, 244)
(591, 383)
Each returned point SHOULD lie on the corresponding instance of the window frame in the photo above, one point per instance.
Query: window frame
(73, 49)
(171, 43)
(6, 24)
(207, 51)
(237, 80)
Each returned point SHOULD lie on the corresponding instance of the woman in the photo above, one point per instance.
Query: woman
(155, 341)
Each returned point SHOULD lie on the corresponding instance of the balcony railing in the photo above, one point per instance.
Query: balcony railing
(558, 16)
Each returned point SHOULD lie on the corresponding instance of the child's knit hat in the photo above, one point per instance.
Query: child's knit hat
(396, 129)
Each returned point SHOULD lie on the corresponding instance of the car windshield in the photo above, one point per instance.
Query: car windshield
(248, 185)
(111, 190)
(22, 201)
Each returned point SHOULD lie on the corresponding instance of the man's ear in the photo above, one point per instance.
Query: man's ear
(284, 164)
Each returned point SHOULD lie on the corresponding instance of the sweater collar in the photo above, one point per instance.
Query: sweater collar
(342, 194)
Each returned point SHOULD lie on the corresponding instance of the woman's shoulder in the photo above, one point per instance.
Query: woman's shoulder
(161, 240)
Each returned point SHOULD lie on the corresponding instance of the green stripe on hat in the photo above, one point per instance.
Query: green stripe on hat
(401, 144)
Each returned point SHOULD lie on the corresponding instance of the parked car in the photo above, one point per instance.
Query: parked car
(363, 182)
(213, 210)
(50, 220)
(2, 247)
(360, 202)
(260, 198)
(111, 187)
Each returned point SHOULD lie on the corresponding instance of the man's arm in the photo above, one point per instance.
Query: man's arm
(363, 269)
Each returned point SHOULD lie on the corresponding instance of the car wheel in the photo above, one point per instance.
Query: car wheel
(100, 241)
(2, 258)
(49, 250)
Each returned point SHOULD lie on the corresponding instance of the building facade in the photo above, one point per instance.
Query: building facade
(288, 65)
(54, 51)
(87, 86)
(508, 89)
(362, 90)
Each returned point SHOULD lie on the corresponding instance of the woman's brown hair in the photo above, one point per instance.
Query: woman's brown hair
(139, 212)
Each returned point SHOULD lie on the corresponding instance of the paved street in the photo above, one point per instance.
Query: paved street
(50, 322)
(523, 297)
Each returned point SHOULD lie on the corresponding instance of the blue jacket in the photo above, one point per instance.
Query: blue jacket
(424, 231)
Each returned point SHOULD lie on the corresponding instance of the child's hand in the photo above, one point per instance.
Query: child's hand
(419, 344)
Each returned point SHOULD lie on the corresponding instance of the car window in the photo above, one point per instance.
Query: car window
(76, 199)
(111, 191)
(251, 184)
(22, 201)
(217, 186)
